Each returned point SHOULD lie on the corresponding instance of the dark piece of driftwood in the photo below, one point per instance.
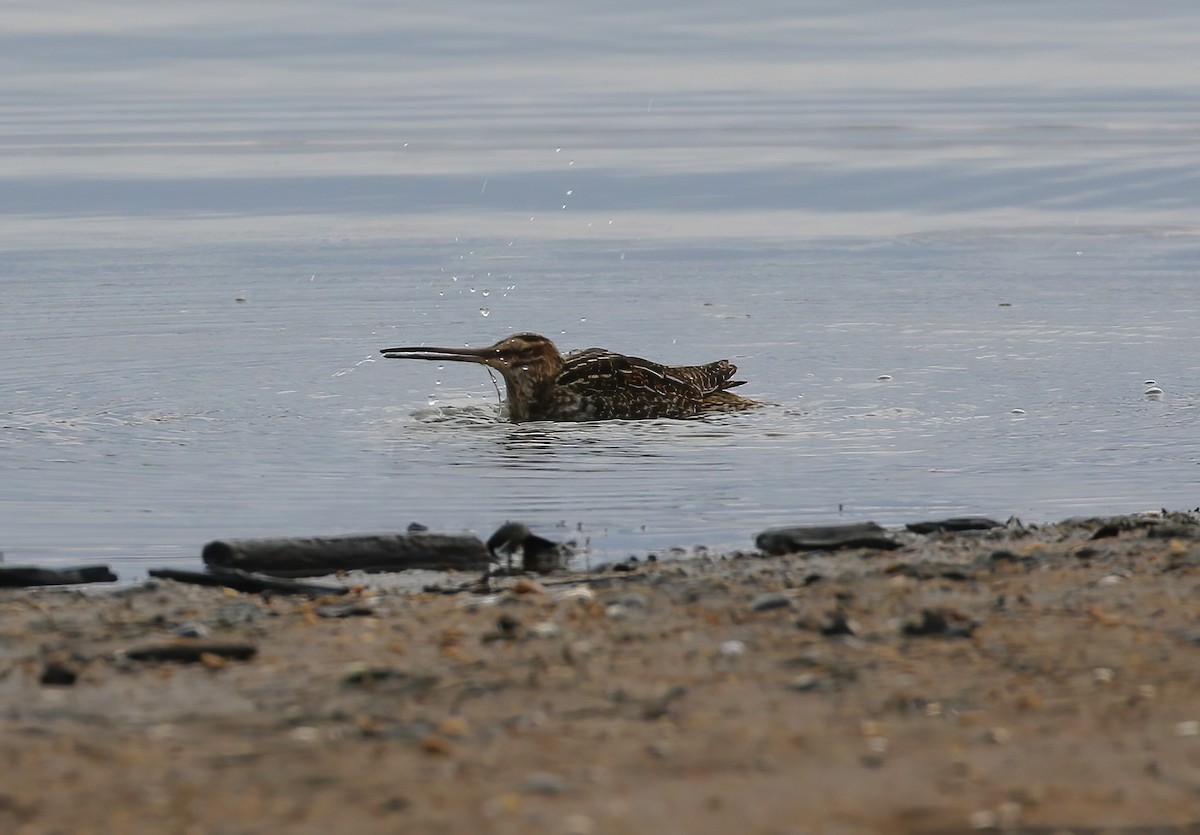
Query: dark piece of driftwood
(824, 537)
(957, 523)
(305, 557)
(239, 580)
(189, 651)
(19, 575)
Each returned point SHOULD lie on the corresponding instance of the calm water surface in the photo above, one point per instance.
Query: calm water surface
(901, 225)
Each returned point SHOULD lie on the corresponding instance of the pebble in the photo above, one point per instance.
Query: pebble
(55, 674)
(1103, 675)
(1189, 728)
(545, 782)
(582, 593)
(546, 629)
(998, 736)
(305, 733)
(525, 586)
(732, 648)
(343, 610)
(838, 623)
(578, 825)
(804, 682)
(983, 819)
(191, 629)
(767, 602)
(944, 622)
(630, 600)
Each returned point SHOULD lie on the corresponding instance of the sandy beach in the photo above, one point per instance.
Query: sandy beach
(1025, 679)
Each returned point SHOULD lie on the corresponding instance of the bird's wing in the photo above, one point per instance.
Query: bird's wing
(598, 370)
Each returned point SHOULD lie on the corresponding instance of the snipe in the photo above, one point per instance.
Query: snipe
(593, 384)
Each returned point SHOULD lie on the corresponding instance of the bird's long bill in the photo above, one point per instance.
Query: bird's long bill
(481, 355)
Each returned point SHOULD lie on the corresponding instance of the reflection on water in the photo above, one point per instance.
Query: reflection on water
(948, 245)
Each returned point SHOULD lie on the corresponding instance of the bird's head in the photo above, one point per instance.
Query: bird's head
(529, 362)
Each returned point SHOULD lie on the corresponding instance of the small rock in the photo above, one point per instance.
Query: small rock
(546, 629)
(804, 682)
(983, 819)
(944, 622)
(997, 736)
(1188, 728)
(191, 629)
(838, 623)
(544, 782)
(767, 602)
(56, 674)
(578, 825)
(437, 744)
(349, 609)
(526, 586)
(955, 524)
(732, 648)
(630, 600)
(661, 750)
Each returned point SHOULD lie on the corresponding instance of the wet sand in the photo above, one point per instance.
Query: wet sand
(1023, 678)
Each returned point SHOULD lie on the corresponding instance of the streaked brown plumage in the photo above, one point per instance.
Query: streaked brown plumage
(593, 384)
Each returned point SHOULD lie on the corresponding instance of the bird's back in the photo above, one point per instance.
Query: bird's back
(608, 385)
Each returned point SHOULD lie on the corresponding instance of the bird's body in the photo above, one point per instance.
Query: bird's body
(593, 384)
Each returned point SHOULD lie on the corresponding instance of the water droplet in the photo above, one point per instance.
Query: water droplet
(453, 277)
(564, 205)
(433, 401)
(1151, 383)
(583, 319)
(558, 150)
(1017, 412)
(884, 377)
(486, 292)
(570, 191)
(472, 289)
(485, 311)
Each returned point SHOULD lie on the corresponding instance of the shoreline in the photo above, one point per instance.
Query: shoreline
(1041, 676)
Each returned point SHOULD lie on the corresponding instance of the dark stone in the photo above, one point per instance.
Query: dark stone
(929, 570)
(946, 623)
(838, 623)
(57, 674)
(824, 537)
(344, 610)
(955, 524)
(189, 651)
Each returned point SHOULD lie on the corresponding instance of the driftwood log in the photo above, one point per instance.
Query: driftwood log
(245, 581)
(306, 557)
(824, 537)
(189, 651)
(955, 524)
(20, 576)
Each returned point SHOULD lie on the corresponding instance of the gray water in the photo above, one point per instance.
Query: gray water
(213, 215)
